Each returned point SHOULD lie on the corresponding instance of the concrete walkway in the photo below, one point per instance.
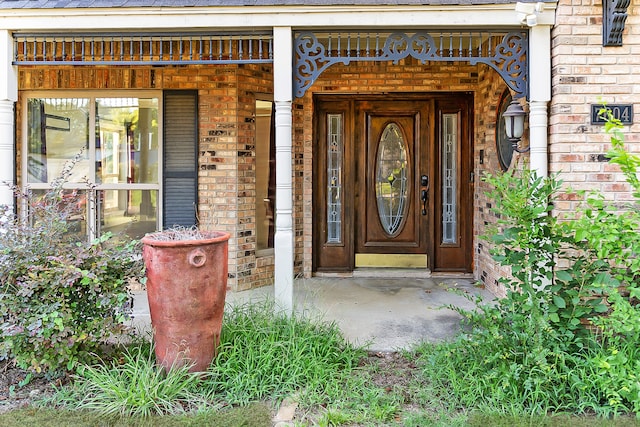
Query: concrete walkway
(386, 314)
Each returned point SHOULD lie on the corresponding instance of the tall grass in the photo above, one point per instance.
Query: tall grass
(263, 354)
(134, 386)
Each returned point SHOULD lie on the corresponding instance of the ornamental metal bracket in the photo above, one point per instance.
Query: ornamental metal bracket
(505, 52)
(614, 16)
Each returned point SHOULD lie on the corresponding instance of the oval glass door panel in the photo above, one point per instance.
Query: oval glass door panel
(392, 179)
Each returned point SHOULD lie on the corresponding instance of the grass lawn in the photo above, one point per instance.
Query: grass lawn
(262, 360)
(257, 414)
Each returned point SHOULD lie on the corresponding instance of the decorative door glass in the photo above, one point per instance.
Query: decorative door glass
(334, 178)
(449, 182)
(392, 179)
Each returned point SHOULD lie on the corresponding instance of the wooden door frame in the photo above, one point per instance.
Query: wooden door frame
(345, 104)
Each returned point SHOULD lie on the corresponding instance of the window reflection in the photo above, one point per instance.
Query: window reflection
(127, 140)
(119, 158)
(70, 204)
(265, 174)
(58, 129)
(132, 212)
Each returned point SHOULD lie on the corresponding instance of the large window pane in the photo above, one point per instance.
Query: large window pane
(58, 130)
(117, 142)
(127, 140)
(127, 211)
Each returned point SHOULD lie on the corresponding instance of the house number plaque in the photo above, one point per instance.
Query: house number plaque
(622, 112)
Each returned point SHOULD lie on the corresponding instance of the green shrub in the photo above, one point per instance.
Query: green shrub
(566, 335)
(514, 358)
(608, 234)
(61, 297)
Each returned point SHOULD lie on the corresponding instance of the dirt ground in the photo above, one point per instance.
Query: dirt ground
(15, 395)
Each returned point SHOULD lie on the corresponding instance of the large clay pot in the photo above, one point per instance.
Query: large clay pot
(186, 289)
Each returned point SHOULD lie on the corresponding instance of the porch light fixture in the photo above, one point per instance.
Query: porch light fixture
(514, 125)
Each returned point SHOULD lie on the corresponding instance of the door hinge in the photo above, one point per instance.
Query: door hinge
(472, 177)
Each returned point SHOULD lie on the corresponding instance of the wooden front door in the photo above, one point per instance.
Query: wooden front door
(392, 142)
(392, 183)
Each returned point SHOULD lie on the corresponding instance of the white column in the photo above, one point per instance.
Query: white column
(283, 239)
(538, 123)
(539, 96)
(8, 96)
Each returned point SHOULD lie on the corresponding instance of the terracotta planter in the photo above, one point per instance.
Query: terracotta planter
(186, 289)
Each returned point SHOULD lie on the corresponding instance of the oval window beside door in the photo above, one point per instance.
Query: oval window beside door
(392, 178)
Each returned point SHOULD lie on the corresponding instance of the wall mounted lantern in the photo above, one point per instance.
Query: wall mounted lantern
(514, 125)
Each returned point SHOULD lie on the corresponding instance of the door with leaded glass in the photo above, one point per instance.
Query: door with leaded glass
(393, 183)
(392, 143)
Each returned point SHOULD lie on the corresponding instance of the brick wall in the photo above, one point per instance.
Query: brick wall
(226, 187)
(584, 73)
(489, 92)
(217, 153)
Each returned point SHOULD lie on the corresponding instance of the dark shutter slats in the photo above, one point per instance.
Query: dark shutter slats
(180, 172)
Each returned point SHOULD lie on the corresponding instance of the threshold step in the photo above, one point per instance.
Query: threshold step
(399, 273)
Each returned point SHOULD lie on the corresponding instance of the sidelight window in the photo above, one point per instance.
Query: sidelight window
(335, 152)
(449, 178)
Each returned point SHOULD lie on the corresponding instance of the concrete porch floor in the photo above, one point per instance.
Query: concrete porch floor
(386, 314)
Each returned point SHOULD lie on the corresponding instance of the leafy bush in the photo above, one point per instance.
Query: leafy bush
(563, 338)
(609, 234)
(61, 297)
(514, 358)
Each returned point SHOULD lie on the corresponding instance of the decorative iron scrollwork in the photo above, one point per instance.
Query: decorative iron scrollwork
(400, 45)
(507, 53)
(510, 61)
